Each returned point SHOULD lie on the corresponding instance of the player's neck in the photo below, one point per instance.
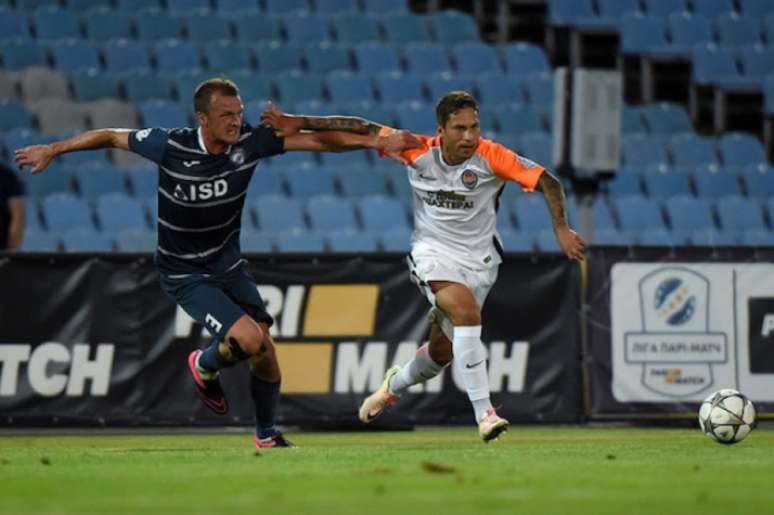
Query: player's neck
(210, 144)
(451, 160)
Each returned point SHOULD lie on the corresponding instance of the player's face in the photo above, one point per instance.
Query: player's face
(460, 135)
(224, 120)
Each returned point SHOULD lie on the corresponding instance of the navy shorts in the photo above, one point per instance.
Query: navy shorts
(218, 301)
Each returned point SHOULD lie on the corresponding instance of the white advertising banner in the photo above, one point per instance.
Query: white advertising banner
(680, 331)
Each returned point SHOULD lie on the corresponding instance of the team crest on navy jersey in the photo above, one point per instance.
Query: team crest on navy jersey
(237, 156)
(469, 179)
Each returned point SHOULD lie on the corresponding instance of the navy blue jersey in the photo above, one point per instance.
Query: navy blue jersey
(201, 195)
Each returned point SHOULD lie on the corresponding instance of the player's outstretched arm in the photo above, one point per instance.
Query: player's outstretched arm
(288, 124)
(392, 142)
(37, 157)
(570, 242)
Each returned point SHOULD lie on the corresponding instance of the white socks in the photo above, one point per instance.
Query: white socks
(470, 360)
(418, 370)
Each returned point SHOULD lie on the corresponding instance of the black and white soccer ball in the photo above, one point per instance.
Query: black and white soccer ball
(727, 416)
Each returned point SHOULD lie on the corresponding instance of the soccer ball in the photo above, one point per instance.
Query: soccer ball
(727, 416)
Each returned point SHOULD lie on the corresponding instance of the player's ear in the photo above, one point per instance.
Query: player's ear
(202, 117)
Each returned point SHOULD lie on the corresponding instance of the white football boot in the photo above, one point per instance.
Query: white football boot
(375, 403)
(491, 426)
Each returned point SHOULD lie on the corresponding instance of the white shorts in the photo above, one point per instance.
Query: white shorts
(428, 267)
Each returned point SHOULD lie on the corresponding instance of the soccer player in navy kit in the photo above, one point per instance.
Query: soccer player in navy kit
(203, 178)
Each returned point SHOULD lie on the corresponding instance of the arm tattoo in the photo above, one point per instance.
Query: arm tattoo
(340, 123)
(554, 195)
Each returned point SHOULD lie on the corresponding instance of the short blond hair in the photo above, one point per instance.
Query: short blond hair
(205, 90)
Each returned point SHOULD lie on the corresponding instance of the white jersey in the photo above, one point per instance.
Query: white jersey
(455, 206)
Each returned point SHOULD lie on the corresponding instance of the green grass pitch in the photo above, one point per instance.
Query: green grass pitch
(530, 470)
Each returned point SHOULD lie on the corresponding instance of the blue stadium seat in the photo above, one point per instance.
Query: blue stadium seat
(224, 56)
(117, 212)
(21, 53)
(758, 238)
(712, 64)
(637, 213)
(426, 58)
(103, 24)
(143, 181)
(375, 58)
(35, 240)
(688, 30)
(546, 241)
(538, 147)
(601, 216)
(123, 55)
(687, 213)
(266, 180)
(32, 214)
(291, 161)
(713, 238)
(350, 240)
(405, 28)
(92, 84)
(474, 57)
(286, 6)
(237, 8)
(337, 160)
(568, 12)
(57, 179)
(349, 87)
(712, 182)
(152, 208)
(358, 181)
(73, 54)
(174, 55)
(132, 6)
(162, 113)
(641, 34)
(613, 238)
(145, 85)
(690, 150)
(713, 8)
(64, 211)
(136, 240)
(385, 6)
(641, 150)
(156, 25)
(274, 57)
(379, 213)
(531, 213)
(496, 90)
(539, 90)
(625, 182)
(525, 59)
(328, 213)
(256, 27)
(663, 8)
(96, 180)
(308, 182)
(256, 241)
(666, 118)
(505, 220)
(306, 28)
(327, 57)
(734, 30)
(13, 24)
(206, 26)
(664, 185)
(756, 8)
(253, 87)
(441, 83)
(631, 119)
(297, 86)
(759, 182)
(78, 159)
(518, 119)
(737, 213)
(82, 239)
(417, 117)
(53, 23)
(277, 213)
(14, 115)
(516, 241)
(352, 29)
(395, 88)
(609, 13)
(757, 62)
(183, 7)
(656, 238)
(740, 149)
(299, 240)
(334, 6)
(451, 27)
(396, 240)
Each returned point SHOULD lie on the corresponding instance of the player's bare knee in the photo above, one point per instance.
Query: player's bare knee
(466, 316)
(246, 343)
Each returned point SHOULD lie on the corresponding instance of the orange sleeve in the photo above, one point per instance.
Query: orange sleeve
(413, 154)
(509, 166)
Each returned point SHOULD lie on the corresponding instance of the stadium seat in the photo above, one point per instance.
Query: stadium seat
(441, 83)
(354, 29)
(132, 6)
(759, 182)
(613, 238)
(517, 119)
(57, 116)
(385, 6)
(266, 180)
(334, 6)
(666, 118)
(664, 185)
(546, 241)
(357, 181)
(223, 56)
(531, 213)
(734, 30)
(306, 28)
(51, 23)
(162, 113)
(379, 213)
(109, 112)
(712, 64)
(327, 57)
(183, 7)
(755, 8)
(14, 24)
(204, 26)
(136, 240)
(404, 28)
(626, 181)
(568, 12)
(306, 182)
(713, 8)
(64, 211)
(426, 58)
(157, 25)
(474, 57)
(292, 161)
(452, 27)
(92, 84)
(277, 213)
(395, 88)
(396, 240)
(143, 181)
(713, 238)
(758, 238)
(58, 179)
(538, 147)
(737, 213)
(143, 85)
(286, 6)
(687, 213)
(299, 240)
(497, 90)
(522, 59)
(350, 240)
(348, 87)
(256, 241)
(13, 115)
(32, 213)
(37, 83)
(103, 24)
(637, 213)
(688, 30)
(175, 55)
(656, 238)
(296, 86)
(608, 13)
(504, 216)
(83, 239)
(663, 8)
(417, 117)
(123, 55)
(328, 213)
(641, 34)
(516, 241)
(740, 149)
(73, 54)
(255, 27)
(97, 180)
(21, 53)
(117, 212)
(691, 150)
(712, 182)
(601, 216)
(631, 120)
(539, 90)
(274, 57)
(375, 58)
(640, 150)
(39, 241)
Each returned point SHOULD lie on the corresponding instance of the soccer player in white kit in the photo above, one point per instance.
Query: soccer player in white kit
(456, 177)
